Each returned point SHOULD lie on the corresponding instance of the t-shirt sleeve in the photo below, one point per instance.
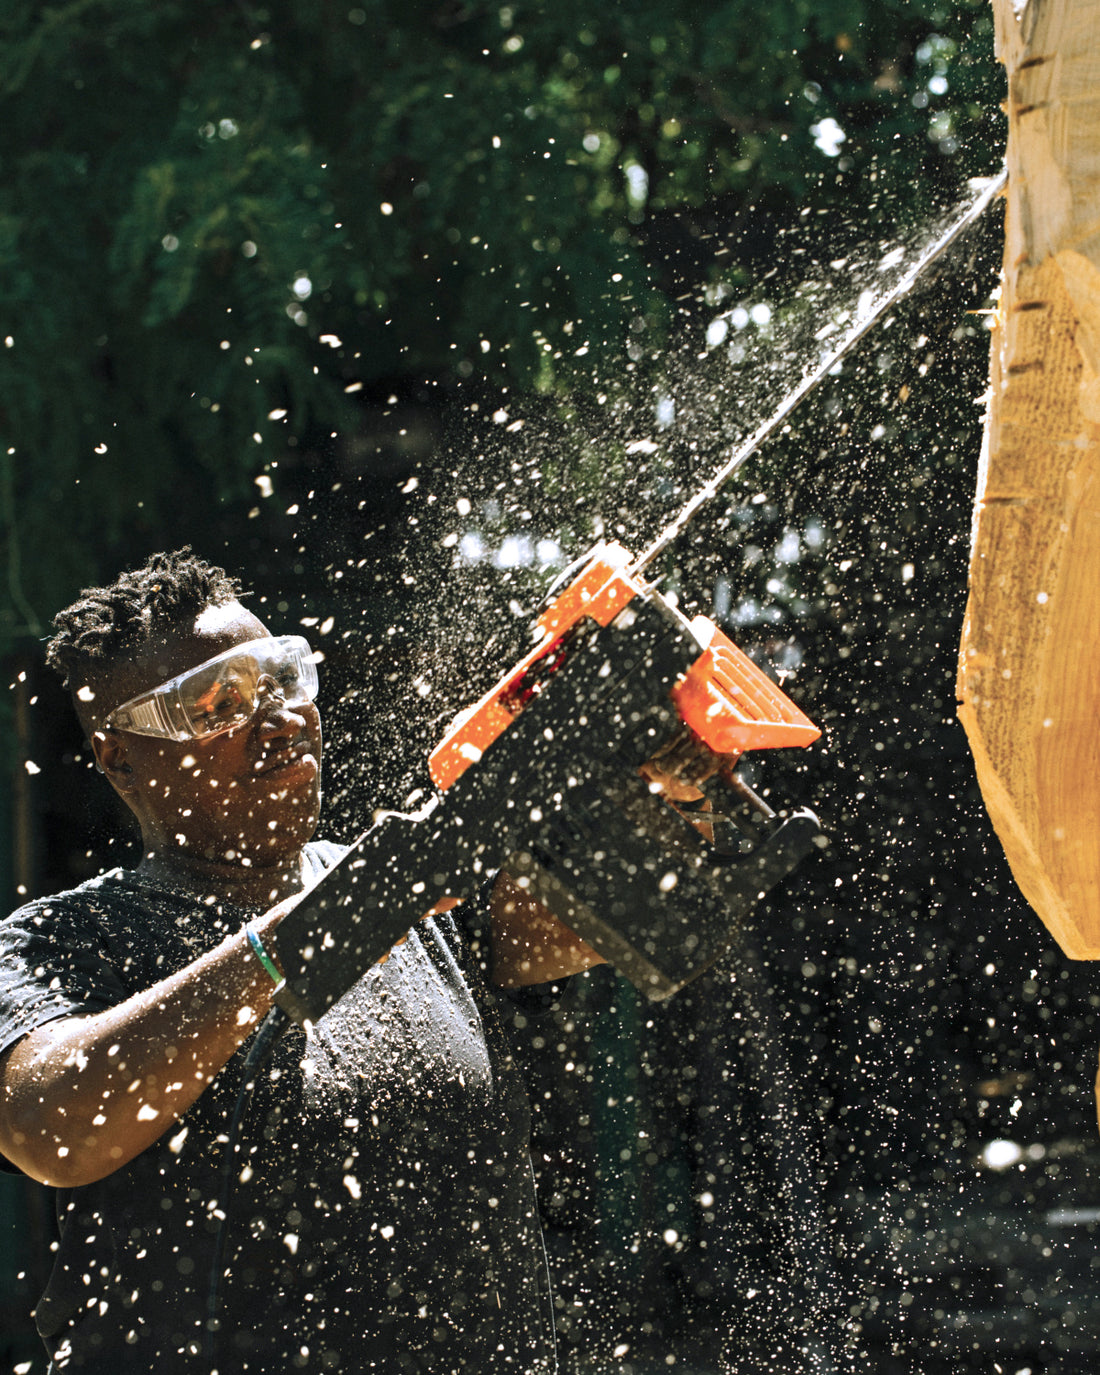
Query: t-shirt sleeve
(469, 930)
(52, 964)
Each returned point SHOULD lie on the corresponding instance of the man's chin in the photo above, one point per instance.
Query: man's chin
(276, 834)
(296, 827)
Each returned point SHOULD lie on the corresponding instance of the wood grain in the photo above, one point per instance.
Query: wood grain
(1029, 669)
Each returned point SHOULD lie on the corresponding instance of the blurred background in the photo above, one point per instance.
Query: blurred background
(394, 310)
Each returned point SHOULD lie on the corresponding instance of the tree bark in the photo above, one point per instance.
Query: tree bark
(1029, 671)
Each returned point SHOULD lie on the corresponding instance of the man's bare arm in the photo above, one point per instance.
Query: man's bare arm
(530, 944)
(84, 1095)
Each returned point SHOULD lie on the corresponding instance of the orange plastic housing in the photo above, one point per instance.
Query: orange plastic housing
(732, 705)
(599, 591)
(724, 698)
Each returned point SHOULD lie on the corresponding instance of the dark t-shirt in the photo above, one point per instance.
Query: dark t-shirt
(382, 1216)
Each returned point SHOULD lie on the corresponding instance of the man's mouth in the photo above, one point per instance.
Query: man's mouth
(272, 760)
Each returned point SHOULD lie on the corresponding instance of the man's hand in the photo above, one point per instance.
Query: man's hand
(530, 945)
(674, 789)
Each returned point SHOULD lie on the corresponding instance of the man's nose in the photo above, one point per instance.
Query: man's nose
(268, 687)
(272, 716)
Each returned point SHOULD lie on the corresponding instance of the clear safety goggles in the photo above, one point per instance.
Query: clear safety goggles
(224, 691)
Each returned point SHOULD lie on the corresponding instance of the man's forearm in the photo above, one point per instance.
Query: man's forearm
(530, 944)
(82, 1096)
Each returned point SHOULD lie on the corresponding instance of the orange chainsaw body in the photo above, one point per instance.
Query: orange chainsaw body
(729, 703)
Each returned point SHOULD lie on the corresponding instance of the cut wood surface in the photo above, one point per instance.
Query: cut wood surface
(1029, 671)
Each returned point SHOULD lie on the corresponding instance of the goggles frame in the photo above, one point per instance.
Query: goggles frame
(163, 711)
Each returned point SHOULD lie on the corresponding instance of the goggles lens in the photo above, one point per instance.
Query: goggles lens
(223, 692)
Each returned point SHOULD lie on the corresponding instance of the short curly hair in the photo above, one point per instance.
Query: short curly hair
(168, 590)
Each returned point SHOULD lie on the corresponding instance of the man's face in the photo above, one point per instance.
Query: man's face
(251, 794)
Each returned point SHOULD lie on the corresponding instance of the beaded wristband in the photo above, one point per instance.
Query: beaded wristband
(264, 958)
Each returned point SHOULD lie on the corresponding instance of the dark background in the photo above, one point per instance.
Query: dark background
(514, 344)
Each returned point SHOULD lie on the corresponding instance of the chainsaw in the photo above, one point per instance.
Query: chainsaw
(599, 772)
(550, 777)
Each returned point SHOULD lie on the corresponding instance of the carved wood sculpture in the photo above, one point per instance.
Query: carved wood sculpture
(1029, 673)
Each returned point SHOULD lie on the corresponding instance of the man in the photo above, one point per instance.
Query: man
(377, 1212)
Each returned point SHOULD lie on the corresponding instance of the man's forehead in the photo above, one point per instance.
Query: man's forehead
(214, 630)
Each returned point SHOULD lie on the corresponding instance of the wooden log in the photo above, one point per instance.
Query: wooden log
(1029, 670)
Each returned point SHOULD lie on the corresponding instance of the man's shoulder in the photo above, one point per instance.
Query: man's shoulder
(86, 897)
(77, 924)
(119, 883)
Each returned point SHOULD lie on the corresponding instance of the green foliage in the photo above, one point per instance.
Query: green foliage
(211, 213)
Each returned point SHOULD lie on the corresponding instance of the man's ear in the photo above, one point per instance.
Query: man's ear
(110, 758)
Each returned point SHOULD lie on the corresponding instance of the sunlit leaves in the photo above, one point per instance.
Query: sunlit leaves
(498, 192)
